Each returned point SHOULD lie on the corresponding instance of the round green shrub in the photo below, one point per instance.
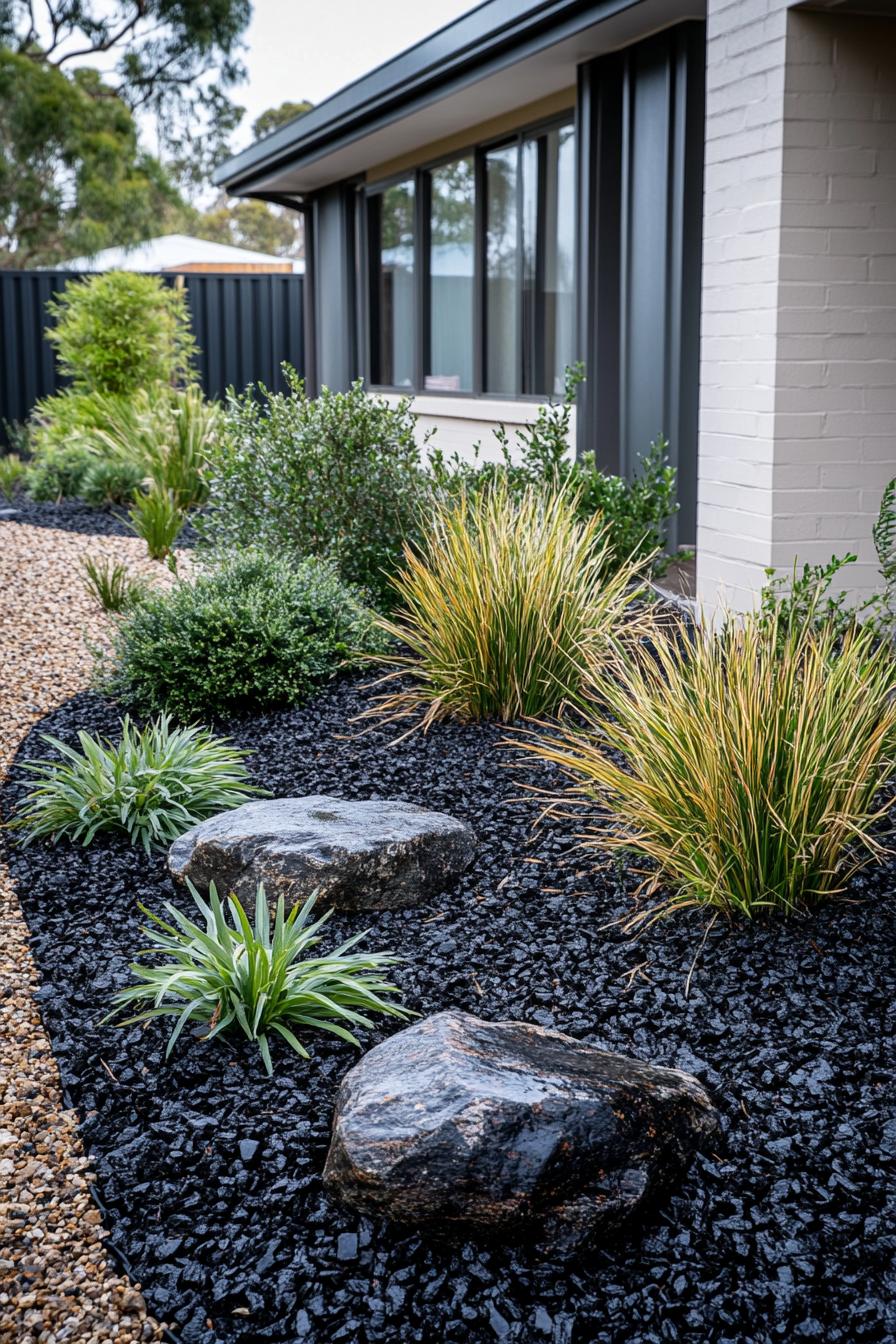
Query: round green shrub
(59, 472)
(251, 632)
(120, 331)
(111, 480)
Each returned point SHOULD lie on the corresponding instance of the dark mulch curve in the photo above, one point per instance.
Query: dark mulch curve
(786, 1232)
(73, 515)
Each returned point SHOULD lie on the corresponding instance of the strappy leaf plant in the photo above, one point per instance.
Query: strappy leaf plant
(746, 765)
(258, 978)
(111, 584)
(153, 785)
(501, 607)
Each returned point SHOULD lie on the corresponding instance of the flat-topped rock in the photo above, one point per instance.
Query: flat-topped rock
(506, 1128)
(374, 855)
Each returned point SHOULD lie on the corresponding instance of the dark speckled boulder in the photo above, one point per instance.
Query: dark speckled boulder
(506, 1128)
(376, 855)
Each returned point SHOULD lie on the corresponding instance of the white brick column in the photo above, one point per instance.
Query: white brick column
(798, 359)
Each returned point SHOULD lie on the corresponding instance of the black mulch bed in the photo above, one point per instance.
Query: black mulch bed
(211, 1174)
(73, 515)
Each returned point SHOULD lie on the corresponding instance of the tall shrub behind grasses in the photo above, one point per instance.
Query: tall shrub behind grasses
(502, 606)
(753, 761)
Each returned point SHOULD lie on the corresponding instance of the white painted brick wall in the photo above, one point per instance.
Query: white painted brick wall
(798, 358)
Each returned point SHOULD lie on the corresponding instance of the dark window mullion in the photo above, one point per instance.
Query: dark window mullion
(480, 238)
(519, 346)
(423, 266)
(539, 372)
(374, 235)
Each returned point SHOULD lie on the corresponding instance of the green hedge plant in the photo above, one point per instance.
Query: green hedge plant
(121, 331)
(250, 632)
(337, 476)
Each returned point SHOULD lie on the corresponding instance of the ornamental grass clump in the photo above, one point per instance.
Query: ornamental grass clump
(503, 606)
(753, 761)
(154, 784)
(157, 518)
(230, 973)
(111, 584)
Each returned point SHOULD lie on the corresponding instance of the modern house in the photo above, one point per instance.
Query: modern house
(181, 254)
(697, 198)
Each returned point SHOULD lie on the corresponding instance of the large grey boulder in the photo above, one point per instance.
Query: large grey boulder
(506, 1128)
(376, 855)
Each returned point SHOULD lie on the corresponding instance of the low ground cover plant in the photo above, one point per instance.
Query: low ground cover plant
(753, 760)
(153, 784)
(111, 584)
(228, 973)
(337, 476)
(635, 512)
(502, 605)
(252, 631)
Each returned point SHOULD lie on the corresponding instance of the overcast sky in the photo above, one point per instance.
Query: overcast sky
(309, 48)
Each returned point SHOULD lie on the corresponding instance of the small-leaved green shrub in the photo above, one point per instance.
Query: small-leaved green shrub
(753, 760)
(111, 584)
(121, 331)
(337, 476)
(153, 784)
(58, 472)
(227, 973)
(502, 604)
(12, 474)
(635, 512)
(806, 593)
(251, 632)
(157, 518)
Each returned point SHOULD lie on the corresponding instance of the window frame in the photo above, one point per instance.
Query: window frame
(420, 175)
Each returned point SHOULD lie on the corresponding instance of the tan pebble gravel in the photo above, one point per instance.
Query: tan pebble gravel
(56, 1283)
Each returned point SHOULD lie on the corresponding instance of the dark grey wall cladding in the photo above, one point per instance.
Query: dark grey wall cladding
(245, 327)
(334, 267)
(640, 209)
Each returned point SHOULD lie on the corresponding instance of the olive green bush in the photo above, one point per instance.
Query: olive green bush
(338, 476)
(250, 632)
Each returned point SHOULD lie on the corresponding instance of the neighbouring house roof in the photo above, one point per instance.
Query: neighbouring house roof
(173, 251)
(502, 54)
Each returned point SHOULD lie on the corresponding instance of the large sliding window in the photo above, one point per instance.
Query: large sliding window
(392, 228)
(474, 259)
(451, 277)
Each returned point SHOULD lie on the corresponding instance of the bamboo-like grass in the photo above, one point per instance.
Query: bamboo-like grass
(502, 607)
(754, 759)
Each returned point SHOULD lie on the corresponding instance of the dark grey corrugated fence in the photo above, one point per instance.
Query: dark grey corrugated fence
(245, 327)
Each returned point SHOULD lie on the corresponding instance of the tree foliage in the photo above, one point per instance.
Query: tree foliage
(175, 57)
(73, 178)
(275, 117)
(252, 224)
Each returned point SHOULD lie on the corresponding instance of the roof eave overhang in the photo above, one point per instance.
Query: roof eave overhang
(486, 40)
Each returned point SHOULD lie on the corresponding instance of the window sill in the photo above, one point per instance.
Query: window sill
(454, 407)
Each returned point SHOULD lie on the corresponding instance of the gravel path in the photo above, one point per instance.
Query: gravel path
(56, 1282)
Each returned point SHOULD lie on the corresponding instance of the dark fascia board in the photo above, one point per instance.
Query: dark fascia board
(490, 36)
